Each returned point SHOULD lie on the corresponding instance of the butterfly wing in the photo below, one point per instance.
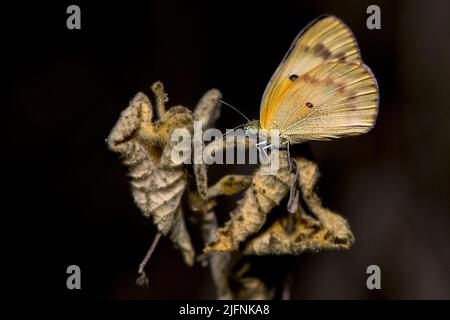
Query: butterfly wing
(333, 100)
(325, 39)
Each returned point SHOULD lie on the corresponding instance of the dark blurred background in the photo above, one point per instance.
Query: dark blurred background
(66, 197)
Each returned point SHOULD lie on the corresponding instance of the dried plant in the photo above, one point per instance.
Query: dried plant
(260, 225)
(144, 145)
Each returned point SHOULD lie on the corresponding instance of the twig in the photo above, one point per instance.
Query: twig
(149, 253)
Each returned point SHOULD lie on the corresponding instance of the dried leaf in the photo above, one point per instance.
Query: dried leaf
(340, 233)
(265, 193)
(201, 179)
(207, 111)
(329, 231)
(145, 148)
(239, 141)
(229, 185)
(208, 108)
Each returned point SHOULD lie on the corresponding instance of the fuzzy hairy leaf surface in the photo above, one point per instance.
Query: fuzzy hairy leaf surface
(265, 192)
(327, 230)
(145, 146)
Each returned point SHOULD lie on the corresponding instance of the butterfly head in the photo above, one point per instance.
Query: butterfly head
(252, 127)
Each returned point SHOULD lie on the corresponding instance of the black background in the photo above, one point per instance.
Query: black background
(65, 196)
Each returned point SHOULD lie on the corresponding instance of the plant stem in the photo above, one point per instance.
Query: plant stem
(149, 253)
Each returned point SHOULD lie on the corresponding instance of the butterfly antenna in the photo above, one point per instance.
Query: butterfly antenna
(230, 130)
(235, 109)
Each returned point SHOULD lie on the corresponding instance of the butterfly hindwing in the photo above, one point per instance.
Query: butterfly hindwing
(325, 39)
(333, 100)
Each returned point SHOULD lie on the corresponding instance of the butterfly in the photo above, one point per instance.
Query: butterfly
(321, 90)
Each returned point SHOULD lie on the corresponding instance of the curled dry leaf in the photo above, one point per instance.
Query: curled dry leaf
(327, 230)
(208, 108)
(237, 140)
(265, 192)
(229, 185)
(289, 233)
(207, 112)
(308, 235)
(145, 146)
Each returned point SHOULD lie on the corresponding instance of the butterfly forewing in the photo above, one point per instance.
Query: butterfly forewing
(333, 100)
(325, 39)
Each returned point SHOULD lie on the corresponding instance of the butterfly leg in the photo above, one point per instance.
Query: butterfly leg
(260, 143)
(265, 152)
(288, 154)
(294, 195)
(262, 150)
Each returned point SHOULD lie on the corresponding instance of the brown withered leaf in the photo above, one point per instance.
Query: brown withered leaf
(207, 112)
(328, 231)
(229, 185)
(236, 277)
(145, 148)
(265, 192)
(208, 108)
(233, 140)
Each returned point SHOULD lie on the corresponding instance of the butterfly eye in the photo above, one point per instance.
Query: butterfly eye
(293, 77)
(309, 104)
(251, 130)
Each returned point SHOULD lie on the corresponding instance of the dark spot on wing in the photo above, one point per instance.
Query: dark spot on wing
(325, 54)
(306, 77)
(340, 56)
(321, 51)
(309, 105)
(293, 77)
(318, 48)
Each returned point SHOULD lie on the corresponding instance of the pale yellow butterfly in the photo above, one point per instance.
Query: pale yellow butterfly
(322, 89)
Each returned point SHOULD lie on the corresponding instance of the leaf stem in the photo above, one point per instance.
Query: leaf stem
(149, 253)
